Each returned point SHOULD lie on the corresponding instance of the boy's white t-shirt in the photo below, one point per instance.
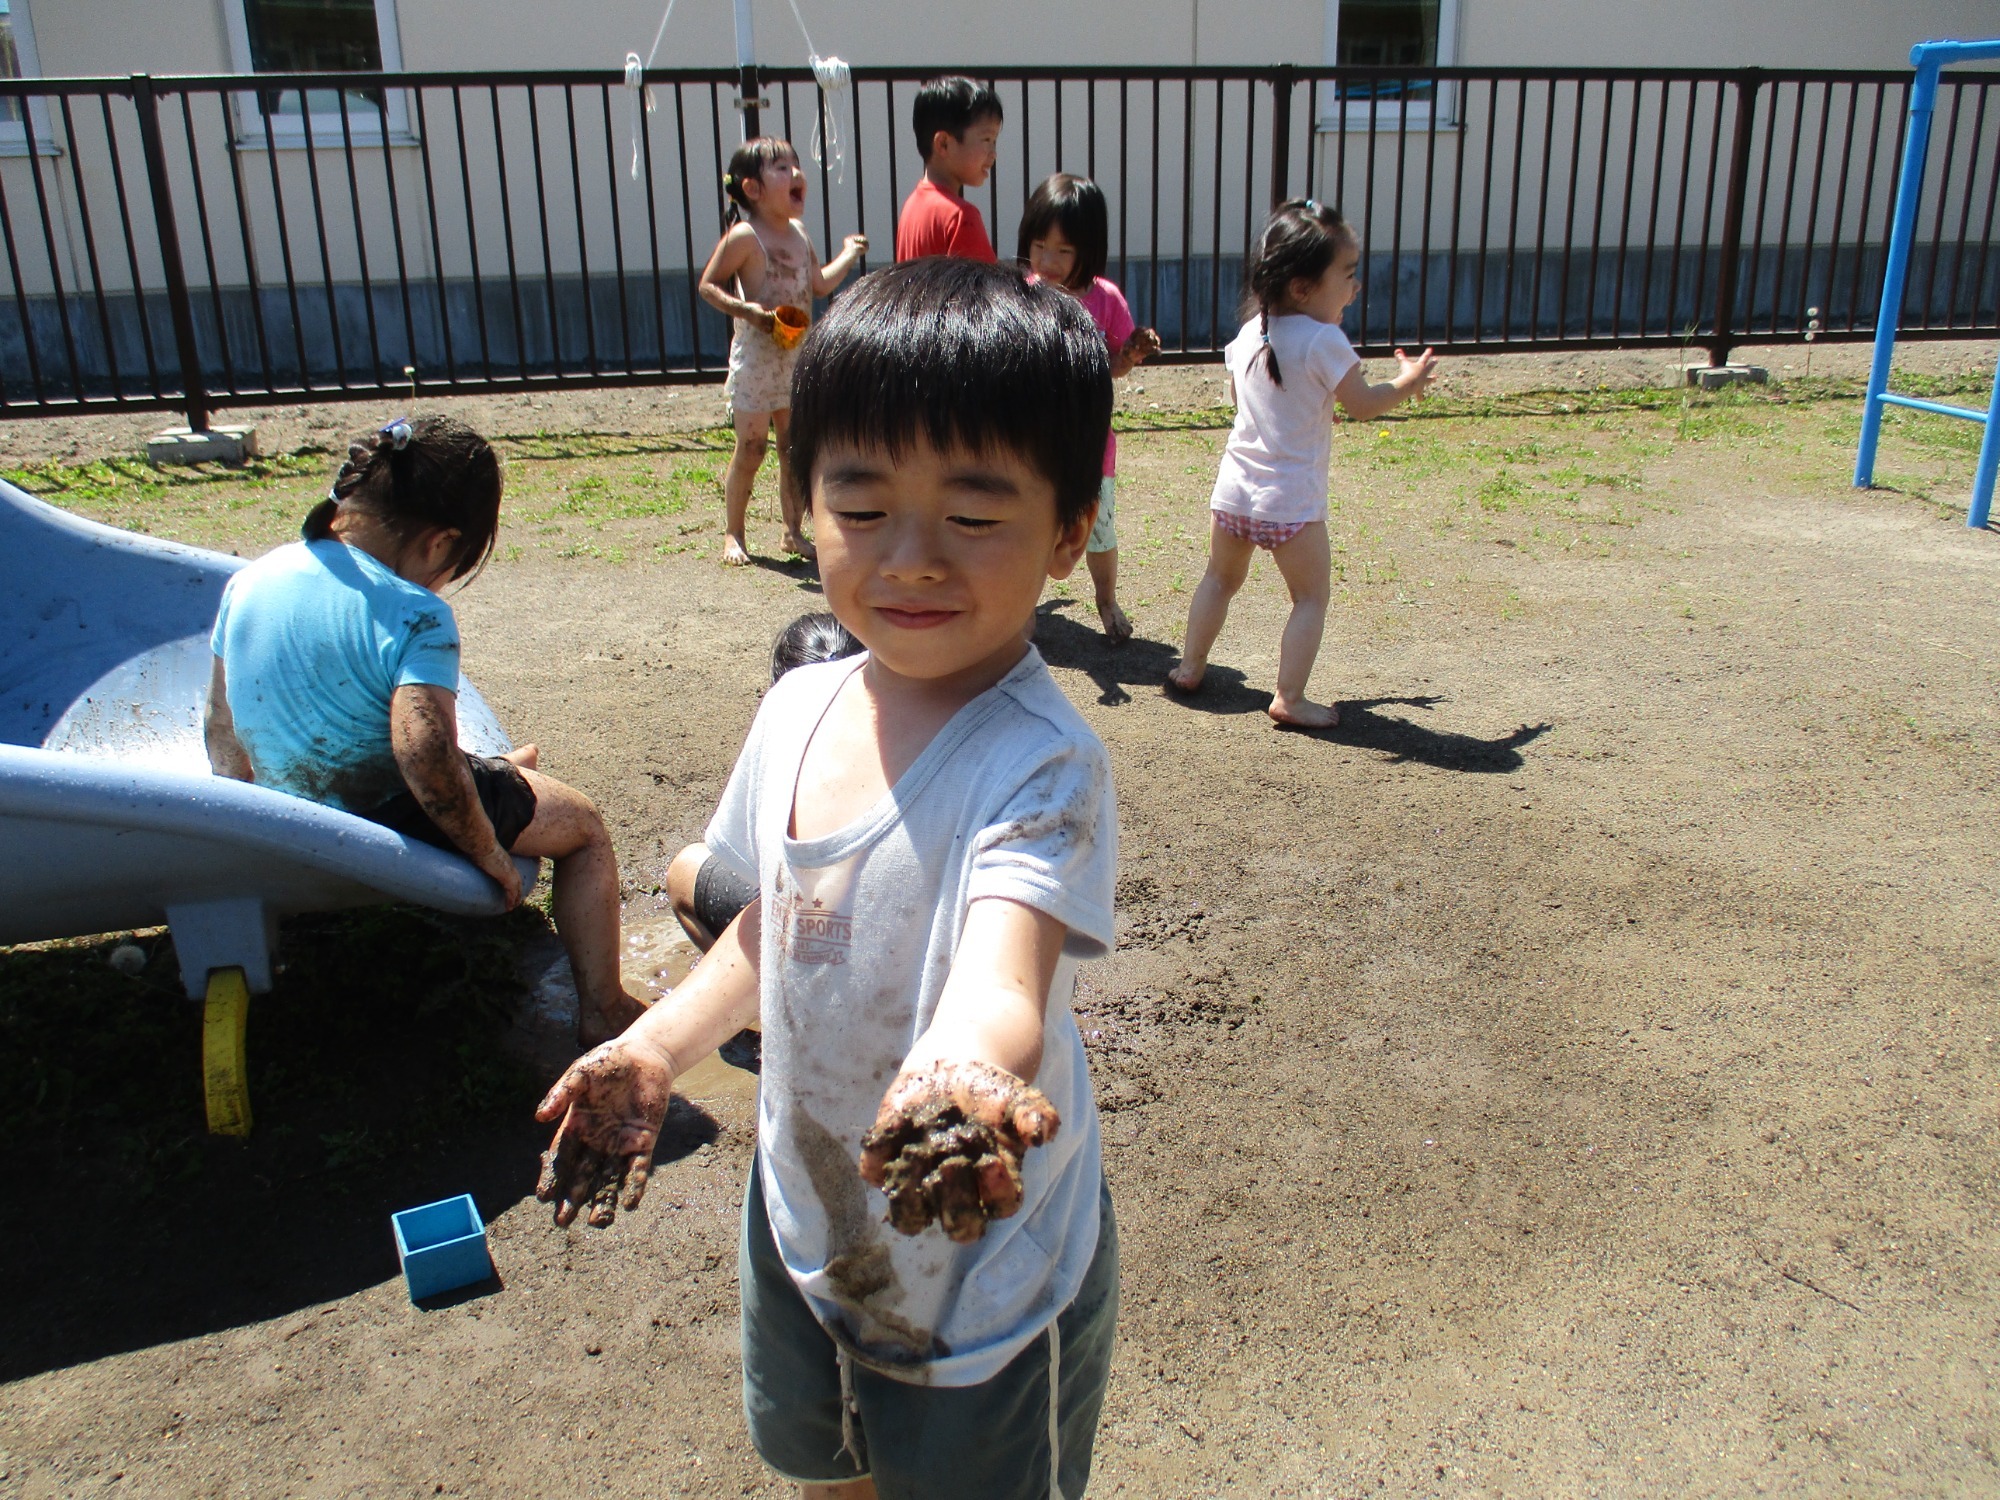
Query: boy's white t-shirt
(1274, 465)
(1012, 799)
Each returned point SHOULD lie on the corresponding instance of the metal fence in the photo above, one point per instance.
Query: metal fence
(205, 242)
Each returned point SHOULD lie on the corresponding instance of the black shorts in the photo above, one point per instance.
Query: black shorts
(503, 791)
(720, 895)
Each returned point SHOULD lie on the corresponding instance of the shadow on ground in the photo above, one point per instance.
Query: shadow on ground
(1142, 665)
(381, 1077)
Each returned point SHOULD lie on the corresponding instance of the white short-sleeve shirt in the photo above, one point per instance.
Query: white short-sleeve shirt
(1012, 799)
(1275, 462)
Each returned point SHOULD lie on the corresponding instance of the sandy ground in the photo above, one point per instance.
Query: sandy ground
(1572, 1076)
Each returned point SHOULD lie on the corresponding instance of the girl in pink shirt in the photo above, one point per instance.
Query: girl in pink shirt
(1287, 368)
(1064, 240)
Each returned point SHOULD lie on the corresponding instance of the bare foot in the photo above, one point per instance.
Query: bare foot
(528, 756)
(795, 545)
(1186, 678)
(598, 1024)
(1117, 624)
(1303, 714)
(734, 553)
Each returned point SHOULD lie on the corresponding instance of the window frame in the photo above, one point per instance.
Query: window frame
(1441, 110)
(256, 131)
(14, 137)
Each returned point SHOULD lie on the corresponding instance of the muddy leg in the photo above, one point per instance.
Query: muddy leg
(751, 443)
(568, 830)
(853, 1489)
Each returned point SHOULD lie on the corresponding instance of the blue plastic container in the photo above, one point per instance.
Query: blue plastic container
(442, 1246)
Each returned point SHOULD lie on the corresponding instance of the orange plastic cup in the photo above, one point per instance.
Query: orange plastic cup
(789, 325)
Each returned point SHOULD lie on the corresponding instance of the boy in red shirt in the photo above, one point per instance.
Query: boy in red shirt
(958, 133)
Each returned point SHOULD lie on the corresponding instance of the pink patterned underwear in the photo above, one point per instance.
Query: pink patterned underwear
(1265, 534)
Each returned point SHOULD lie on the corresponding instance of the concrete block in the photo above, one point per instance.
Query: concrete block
(218, 445)
(1715, 377)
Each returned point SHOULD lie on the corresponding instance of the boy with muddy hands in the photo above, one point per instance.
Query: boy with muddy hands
(928, 1258)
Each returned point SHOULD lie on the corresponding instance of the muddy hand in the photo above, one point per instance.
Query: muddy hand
(947, 1146)
(611, 1101)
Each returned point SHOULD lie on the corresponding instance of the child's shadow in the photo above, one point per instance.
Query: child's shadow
(1400, 740)
(805, 574)
(1065, 642)
(1138, 663)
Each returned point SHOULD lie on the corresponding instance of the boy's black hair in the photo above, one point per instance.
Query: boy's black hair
(1075, 206)
(418, 472)
(1299, 242)
(953, 104)
(749, 160)
(809, 640)
(956, 353)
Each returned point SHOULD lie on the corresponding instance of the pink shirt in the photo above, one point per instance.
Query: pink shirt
(1106, 306)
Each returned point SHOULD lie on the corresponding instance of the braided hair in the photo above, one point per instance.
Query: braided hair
(1299, 242)
(414, 474)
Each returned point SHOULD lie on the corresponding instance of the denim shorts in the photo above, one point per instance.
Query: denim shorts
(996, 1441)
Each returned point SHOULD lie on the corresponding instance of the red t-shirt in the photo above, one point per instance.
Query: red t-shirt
(935, 222)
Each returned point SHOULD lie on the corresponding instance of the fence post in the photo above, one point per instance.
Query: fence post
(194, 391)
(746, 101)
(1729, 273)
(1281, 133)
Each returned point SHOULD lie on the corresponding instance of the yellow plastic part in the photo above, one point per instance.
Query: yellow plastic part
(223, 1069)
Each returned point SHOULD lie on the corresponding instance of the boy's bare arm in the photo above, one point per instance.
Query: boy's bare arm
(226, 756)
(948, 1141)
(612, 1100)
(1363, 401)
(423, 733)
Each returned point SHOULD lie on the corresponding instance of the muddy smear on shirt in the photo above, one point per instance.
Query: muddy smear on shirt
(1074, 821)
(859, 1269)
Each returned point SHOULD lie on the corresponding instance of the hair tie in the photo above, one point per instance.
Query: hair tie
(398, 433)
(728, 179)
(1313, 208)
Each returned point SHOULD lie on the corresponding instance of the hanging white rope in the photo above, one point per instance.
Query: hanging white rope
(639, 96)
(833, 78)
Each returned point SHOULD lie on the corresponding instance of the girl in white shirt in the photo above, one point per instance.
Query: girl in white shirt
(1287, 367)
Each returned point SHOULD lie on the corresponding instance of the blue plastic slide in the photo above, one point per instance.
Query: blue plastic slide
(109, 817)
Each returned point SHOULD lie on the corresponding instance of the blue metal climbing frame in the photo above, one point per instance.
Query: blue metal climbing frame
(1928, 58)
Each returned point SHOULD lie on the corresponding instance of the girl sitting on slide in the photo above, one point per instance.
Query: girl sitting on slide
(336, 680)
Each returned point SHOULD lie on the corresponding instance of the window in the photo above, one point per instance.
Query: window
(316, 36)
(1390, 34)
(17, 60)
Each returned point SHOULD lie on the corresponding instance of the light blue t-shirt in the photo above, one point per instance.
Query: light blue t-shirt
(314, 638)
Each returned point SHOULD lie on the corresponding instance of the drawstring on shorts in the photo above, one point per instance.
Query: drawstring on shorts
(849, 1409)
(1055, 1407)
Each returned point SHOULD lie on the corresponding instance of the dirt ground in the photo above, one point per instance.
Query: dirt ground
(1572, 1076)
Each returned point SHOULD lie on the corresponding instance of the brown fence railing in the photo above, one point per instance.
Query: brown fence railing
(222, 241)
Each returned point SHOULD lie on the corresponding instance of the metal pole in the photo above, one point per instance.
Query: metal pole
(1989, 462)
(1281, 133)
(746, 63)
(194, 394)
(1909, 188)
(1729, 272)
